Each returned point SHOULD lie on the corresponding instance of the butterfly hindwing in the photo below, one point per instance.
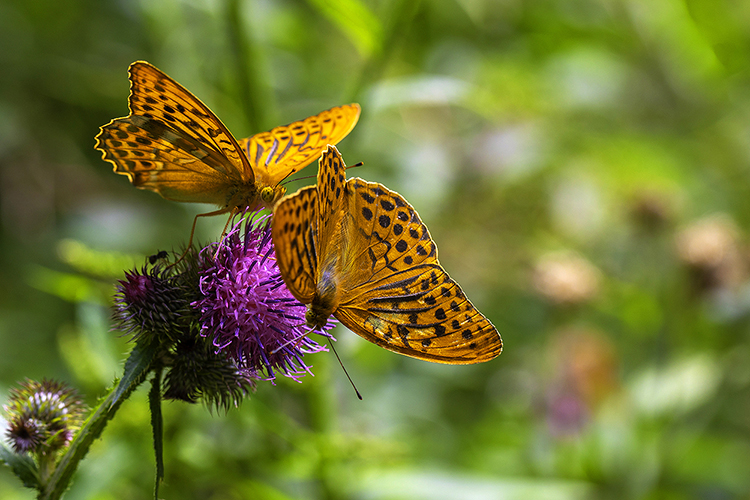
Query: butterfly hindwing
(276, 154)
(161, 161)
(421, 312)
(294, 238)
(394, 291)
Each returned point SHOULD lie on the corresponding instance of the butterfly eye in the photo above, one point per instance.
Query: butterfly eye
(272, 195)
(314, 318)
(267, 194)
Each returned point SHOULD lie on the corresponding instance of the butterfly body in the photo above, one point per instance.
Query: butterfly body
(322, 306)
(240, 195)
(173, 144)
(327, 293)
(358, 251)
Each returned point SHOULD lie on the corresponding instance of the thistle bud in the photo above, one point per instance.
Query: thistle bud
(43, 416)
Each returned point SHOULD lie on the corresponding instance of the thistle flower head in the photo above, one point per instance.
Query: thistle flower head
(43, 416)
(198, 372)
(221, 318)
(153, 302)
(247, 311)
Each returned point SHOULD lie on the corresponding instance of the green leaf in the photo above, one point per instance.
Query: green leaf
(136, 368)
(356, 21)
(95, 262)
(157, 425)
(22, 465)
(69, 286)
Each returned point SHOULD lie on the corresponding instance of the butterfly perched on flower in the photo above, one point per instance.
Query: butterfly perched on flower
(173, 144)
(358, 251)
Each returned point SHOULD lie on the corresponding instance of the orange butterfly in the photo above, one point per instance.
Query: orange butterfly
(173, 144)
(359, 251)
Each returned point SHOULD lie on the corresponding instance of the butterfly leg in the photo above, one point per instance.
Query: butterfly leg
(192, 232)
(234, 212)
(207, 214)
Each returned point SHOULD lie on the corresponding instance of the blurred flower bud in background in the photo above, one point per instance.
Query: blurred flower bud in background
(711, 249)
(566, 278)
(651, 210)
(43, 416)
(585, 373)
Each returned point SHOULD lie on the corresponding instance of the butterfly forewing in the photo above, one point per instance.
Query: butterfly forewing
(157, 159)
(277, 154)
(294, 240)
(421, 312)
(175, 145)
(156, 96)
(331, 185)
(172, 143)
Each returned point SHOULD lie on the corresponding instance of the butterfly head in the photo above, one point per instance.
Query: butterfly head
(270, 195)
(316, 318)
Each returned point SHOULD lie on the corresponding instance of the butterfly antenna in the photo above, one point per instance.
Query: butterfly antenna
(298, 179)
(355, 165)
(286, 179)
(344, 368)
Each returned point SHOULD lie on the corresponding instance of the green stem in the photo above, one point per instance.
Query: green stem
(248, 69)
(157, 424)
(92, 428)
(397, 24)
(46, 466)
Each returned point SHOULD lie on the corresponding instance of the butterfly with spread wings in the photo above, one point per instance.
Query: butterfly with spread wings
(171, 143)
(359, 251)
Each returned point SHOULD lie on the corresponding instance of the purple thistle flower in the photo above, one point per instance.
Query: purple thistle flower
(246, 308)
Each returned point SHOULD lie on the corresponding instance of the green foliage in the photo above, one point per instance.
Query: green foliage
(582, 165)
(140, 361)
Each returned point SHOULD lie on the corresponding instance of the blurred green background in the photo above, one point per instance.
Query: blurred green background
(583, 166)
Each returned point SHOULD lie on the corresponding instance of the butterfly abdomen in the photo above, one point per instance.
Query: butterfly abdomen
(324, 301)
